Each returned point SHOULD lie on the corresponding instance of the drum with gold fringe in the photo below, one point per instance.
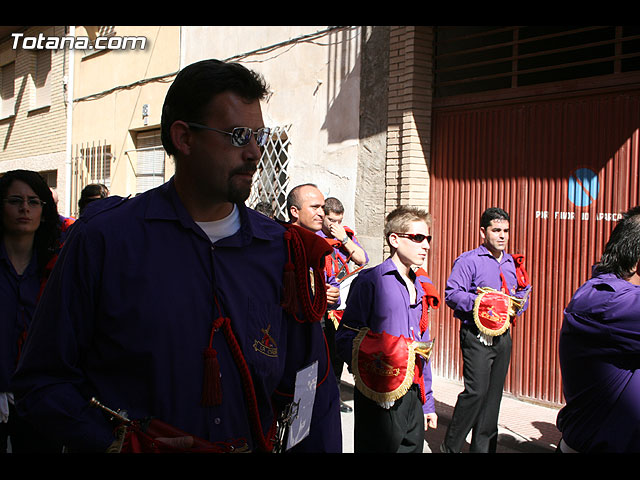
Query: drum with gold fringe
(493, 310)
(384, 365)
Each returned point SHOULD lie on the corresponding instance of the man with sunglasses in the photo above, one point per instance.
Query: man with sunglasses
(486, 354)
(169, 304)
(383, 327)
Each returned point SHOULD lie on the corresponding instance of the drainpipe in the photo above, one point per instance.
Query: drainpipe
(68, 173)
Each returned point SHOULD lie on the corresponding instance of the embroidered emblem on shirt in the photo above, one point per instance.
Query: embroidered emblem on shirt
(267, 345)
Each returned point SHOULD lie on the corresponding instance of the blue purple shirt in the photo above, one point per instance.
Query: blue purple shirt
(379, 299)
(479, 268)
(18, 299)
(127, 314)
(599, 350)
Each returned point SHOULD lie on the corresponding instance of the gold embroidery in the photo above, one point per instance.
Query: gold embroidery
(267, 345)
(378, 367)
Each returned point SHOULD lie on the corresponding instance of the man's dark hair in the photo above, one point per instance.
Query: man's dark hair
(265, 208)
(333, 205)
(292, 197)
(622, 252)
(91, 192)
(491, 214)
(195, 86)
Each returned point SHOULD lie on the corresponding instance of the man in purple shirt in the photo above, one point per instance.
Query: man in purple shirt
(600, 351)
(485, 358)
(168, 305)
(345, 250)
(388, 298)
(346, 247)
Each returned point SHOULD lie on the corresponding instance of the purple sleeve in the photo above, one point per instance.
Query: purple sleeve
(357, 311)
(48, 382)
(366, 255)
(460, 291)
(429, 404)
(331, 280)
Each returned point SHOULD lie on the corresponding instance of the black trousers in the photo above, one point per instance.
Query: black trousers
(399, 429)
(330, 334)
(478, 406)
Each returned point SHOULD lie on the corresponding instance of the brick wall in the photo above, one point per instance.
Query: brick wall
(34, 136)
(409, 116)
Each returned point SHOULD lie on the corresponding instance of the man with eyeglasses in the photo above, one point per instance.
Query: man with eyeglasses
(170, 304)
(384, 339)
(489, 280)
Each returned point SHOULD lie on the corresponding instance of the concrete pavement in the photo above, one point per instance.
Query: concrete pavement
(523, 427)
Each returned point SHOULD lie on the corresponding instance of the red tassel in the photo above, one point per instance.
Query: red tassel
(212, 386)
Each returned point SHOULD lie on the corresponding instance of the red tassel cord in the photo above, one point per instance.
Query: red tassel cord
(212, 385)
(297, 289)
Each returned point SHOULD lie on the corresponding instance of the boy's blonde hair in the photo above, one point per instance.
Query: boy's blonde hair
(399, 220)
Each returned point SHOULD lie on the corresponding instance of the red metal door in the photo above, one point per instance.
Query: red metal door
(564, 170)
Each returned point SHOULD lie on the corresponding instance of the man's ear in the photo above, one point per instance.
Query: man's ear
(181, 137)
(393, 240)
(483, 233)
(293, 213)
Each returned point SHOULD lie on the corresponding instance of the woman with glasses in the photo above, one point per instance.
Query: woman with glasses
(29, 235)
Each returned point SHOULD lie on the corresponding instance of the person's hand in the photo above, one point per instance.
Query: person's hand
(337, 231)
(333, 294)
(430, 421)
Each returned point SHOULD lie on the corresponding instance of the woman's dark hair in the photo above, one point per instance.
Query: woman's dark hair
(195, 86)
(622, 252)
(47, 238)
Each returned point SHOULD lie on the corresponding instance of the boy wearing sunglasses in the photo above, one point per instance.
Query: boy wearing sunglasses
(383, 327)
(485, 355)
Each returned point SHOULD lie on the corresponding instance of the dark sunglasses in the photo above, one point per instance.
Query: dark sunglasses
(240, 136)
(415, 237)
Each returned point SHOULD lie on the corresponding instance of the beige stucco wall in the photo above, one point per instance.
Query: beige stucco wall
(110, 90)
(315, 88)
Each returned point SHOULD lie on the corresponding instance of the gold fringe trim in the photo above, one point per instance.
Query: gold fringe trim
(380, 397)
(334, 319)
(476, 306)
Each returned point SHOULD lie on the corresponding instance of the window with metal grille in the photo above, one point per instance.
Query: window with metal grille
(272, 178)
(97, 163)
(472, 59)
(90, 164)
